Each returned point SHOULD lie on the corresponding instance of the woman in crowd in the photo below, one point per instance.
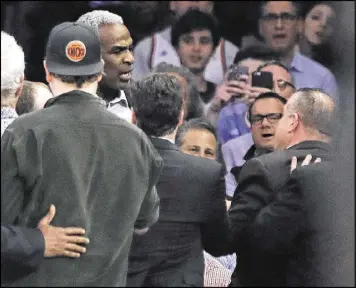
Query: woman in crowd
(319, 21)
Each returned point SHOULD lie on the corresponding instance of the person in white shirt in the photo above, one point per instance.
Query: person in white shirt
(117, 47)
(158, 48)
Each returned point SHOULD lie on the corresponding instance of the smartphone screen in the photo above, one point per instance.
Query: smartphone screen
(262, 79)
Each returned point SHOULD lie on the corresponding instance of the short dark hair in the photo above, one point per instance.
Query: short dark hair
(194, 20)
(306, 7)
(26, 101)
(157, 103)
(297, 6)
(77, 80)
(197, 124)
(195, 106)
(266, 95)
(257, 52)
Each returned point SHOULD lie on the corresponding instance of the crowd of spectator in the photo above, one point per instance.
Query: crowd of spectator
(180, 160)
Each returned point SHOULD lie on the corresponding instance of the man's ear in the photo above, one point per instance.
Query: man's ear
(295, 122)
(49, 77)
(19, 90)
(133, 119)
(181, 118)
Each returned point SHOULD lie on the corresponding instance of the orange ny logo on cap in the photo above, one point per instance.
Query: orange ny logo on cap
(75, 51)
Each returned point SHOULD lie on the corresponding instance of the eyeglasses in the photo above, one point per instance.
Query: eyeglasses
(258, 118)
(285, 17)
(283, 84)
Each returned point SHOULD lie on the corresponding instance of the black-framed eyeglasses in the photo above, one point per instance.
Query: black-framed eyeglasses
(271, 117)
(285, 17)
(282, 84)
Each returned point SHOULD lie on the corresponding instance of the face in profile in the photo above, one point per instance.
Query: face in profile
(319, 24)
(195, 49)
(199, 142)
(283, 129)
(117, 45)
(265, 115)
(279, 25)
(282, 81)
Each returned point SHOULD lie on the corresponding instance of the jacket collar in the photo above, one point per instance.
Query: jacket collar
(306, 145)
(73, 97)
(163, 144)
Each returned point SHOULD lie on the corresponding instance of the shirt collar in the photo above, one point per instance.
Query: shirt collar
(121, 99)
(8, 113)
(297, 64)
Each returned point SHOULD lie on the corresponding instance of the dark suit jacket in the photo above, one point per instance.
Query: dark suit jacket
(21, 246)
(192, 217)
(260, 181)
(323, 237)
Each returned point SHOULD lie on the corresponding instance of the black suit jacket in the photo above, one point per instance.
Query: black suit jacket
(322, 236)
(260, 182)
(21, 247)
(192, 217)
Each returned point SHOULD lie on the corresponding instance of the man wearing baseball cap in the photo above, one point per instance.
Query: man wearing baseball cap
(98, 169)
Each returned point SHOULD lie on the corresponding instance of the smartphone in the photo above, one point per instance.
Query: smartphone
(235, 71)
(262, 79)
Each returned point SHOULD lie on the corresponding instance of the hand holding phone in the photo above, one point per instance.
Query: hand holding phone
(236, 71)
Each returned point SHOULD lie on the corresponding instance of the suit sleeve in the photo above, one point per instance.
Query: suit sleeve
(277, 224)
(255, 192)
(149, 211)
(215, 229)
(21, 246)
(12, 188)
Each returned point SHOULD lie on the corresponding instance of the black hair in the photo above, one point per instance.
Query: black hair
(194, 20)
(157, 102)
(26, 101)
(77, 80)
(308, 6)
(197, 124)
(195, 106)
(266, 95)
(257, 52)
(297, 7)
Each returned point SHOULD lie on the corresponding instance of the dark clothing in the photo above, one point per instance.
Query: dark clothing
(209, 93)
(308, 204)
(21, 247)
(260, 180)
(192, 217)
(252, 152)
(98, 170)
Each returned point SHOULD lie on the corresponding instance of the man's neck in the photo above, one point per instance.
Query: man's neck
(287, 57)
(65, 88)
(107, 93)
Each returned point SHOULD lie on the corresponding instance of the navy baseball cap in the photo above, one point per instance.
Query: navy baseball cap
(73, 49)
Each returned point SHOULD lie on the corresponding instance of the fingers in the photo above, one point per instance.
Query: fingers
(71, 254)
(46, 220)
(73, 231)
(75, 248)
(77, 240)
(317, 160)
(293, 164)
(307, 160)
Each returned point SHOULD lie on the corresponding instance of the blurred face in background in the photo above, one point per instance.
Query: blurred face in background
(180, 7)
(282, 81)
(319, 24)
(279, 25)
(252, 65)
(263, 130)
(117, 47)
(199, 142)
(195, 50)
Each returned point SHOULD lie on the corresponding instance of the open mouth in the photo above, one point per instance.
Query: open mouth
(126, 76)
(280, 36)
(267, 135)
(320, 34)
